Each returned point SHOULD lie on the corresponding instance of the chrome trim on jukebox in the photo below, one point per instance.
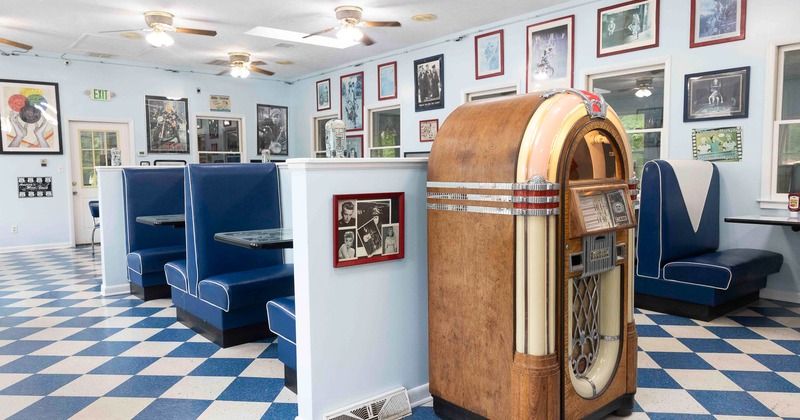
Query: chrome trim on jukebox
(596, 108)
(493, 210)
(472, 197)
(473, 185)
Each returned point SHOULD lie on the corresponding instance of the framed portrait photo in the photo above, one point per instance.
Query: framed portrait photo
(489, 54)
(273, 132)
(717, 21)
(167, 129)
(368, 228)
(30, 120)
(387, 81)
(324, 95)
(550, 54)
(717, 95)
(628, 26)
(429, 83)
(354, 146)
(352, 103)
(428, 130)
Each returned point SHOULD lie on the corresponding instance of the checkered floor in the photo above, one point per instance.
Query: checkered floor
(67, 352)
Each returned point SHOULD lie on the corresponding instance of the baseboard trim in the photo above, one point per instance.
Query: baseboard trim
(15, 249)
(419, 395)
(119, 289)
(782, 295)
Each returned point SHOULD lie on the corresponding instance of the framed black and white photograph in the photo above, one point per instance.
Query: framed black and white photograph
(29, 117)
(717, 144)
(717, 21)
(35, 187)
(352, 103)
(489, 54)
(167, 129)
(354, 146)
(550, 54)
(273, 133)
(387, 81)
(429, 83)
(324, 95)
(626, 27)
(367, 228)
(717, 95)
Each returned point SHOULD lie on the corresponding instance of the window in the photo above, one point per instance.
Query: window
(384, 139)
(490, 93)
(219, 140)
(95, 151)
(786, 124)
(637, 96)
(319, 134)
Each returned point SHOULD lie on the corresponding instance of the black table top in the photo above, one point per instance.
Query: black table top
(278, 238)
(793, 222)
(174, 220)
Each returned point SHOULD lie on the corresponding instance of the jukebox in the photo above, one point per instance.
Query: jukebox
(530, 260)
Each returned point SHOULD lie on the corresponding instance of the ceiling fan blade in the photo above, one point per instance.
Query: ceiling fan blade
(15, 44)
(126, 30)
(366, 40)
(262, 71)
(226, 71)
(195, 31)
(388, 23)
(324, 31)
(257, 63)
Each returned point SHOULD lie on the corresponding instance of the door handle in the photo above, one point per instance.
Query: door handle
(74, 184)
(74, 193)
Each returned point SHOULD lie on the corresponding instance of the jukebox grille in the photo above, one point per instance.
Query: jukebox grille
(585, 324)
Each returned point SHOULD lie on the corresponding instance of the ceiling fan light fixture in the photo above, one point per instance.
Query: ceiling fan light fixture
(159, 39)
(240, 71)
(643, 92)
(350, 33)
(644, 87)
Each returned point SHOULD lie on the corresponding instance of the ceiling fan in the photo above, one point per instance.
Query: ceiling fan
(240, 65)
(15, 44)
(350, 17)
(158, 24)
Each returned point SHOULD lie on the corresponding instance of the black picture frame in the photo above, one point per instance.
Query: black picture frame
(272, 128)
(22, 105)
(717, 95)
(429, 83)
(167, 124)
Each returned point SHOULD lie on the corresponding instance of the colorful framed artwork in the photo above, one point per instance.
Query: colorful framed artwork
(30, 120)
(550, 54)
(368, 228)
(489, 55)
(428, 130)
(429, 83)
(352, 103)
(629, 26)
(273, 133)
(219, 103)
(717, 21)
(354, 145)
(324, 95)
(717, 144)
(717, 95)
(167, 129)
(387, 81)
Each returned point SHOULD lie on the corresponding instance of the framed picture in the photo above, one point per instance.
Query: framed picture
(489, 55)
(628, 26)
(220, 103)
(30, 120)
(717, 21)
(368, 228)
(385, 127)
(169, 162)
(550, 54)
(324, 95)
(319, 134)
(416, 154)
(167, 129)
(34, 187)
(429, 83)
(717, 95)
(428, 130)
(387, 81)
(273, 133)
(355, 146)
(717, 144)
(352, 103)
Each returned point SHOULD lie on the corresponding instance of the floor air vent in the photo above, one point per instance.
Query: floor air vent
(389, 406)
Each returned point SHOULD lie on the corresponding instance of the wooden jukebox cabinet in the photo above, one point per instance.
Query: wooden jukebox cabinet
(530, 243)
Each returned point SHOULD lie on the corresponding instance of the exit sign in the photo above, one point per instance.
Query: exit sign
(100, 95)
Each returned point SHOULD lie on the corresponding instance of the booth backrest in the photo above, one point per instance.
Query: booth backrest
(150, 192)
(225, 198)
(679, 212)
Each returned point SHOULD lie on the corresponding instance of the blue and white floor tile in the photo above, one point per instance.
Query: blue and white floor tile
(67, 352)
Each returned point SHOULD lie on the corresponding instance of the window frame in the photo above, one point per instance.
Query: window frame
(369, 132)
(470, 95)
(315, 137)
(217, 116)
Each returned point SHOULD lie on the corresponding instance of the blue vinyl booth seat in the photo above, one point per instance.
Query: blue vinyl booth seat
(679, 267)
(149, 192)
(220, 290)
(282, 322)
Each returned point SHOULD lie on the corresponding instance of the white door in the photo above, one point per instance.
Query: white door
(91, 146)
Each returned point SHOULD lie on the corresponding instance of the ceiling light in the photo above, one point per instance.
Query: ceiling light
(239, 70)
(350, 33)
(425, 17)
(643, 87)
(159, 39)
(299, 37)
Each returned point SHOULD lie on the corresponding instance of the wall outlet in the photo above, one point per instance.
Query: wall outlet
(14, 229)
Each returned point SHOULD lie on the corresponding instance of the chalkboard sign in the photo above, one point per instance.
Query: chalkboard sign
(35, 186)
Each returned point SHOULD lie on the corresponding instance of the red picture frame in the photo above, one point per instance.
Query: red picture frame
(351, 105)
(324, 95)
(723, 24)
(368, 228)
(428, 130)
(628, 26)
(387, 81)
(489, 55)
(354, 142)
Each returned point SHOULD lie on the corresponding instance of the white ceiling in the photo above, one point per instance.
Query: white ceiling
(72, 27)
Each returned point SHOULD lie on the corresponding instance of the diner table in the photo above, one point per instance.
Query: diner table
(174, 220)
(793, 222)
(277, 238)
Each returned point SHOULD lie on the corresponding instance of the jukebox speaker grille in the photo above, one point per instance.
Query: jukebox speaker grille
(585, 324)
